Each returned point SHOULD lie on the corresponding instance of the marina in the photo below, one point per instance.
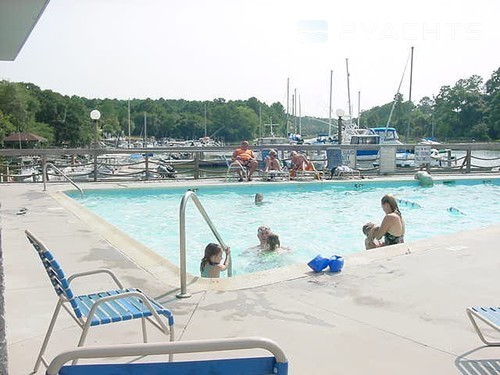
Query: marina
(211, 162)
(154, 174)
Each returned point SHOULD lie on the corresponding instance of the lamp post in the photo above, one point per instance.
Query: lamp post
(339, 112)
(95, 115)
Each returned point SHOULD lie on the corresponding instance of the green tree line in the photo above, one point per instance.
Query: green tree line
(470, 109)
(65, 120)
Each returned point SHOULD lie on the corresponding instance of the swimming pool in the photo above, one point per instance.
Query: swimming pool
(310, 218)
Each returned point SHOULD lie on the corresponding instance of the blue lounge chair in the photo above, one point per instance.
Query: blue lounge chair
(277, 364)
(98, 308)
(488, 315)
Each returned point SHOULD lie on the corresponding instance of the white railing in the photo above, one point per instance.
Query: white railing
(182, 239)
(44, 176)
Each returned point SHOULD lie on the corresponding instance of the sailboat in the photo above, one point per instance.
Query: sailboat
(385, 135)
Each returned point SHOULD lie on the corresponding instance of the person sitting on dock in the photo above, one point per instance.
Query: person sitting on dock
(300, 162)
(246, 158)
(272, 162)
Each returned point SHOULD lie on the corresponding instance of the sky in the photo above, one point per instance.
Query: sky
(237, 49)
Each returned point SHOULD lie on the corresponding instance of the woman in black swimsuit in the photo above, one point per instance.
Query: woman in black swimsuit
(393, 226)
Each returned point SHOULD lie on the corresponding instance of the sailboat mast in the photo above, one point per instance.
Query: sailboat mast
(205, 118)
(409, 96)
(145, 130)
(300, 117)
(359, 108)
(294, 110)
(348, 88)
(330, 109)
(260, 120)
(394, 102)
(129, 138)
(411, 74)
(287, 105)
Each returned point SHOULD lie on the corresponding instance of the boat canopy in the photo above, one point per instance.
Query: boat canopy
(365, 139)
(387, 133)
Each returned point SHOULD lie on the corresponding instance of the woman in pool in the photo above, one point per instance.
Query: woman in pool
(392, 227)
(210, 264)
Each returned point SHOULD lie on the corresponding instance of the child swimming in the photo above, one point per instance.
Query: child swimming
(273, 244)
(210, 264)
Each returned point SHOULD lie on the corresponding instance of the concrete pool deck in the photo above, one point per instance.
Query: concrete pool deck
(399, 310)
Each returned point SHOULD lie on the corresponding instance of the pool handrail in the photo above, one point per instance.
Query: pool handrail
(182, 238)
(44, 176)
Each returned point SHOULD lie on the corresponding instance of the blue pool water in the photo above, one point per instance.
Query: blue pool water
(310, 218)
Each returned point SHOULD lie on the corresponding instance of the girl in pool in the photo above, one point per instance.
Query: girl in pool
(210, 264)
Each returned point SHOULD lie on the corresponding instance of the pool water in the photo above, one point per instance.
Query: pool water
(310, 218)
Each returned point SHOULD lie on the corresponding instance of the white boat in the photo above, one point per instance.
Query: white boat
(442, 158)
(377, 136)
(264, 141)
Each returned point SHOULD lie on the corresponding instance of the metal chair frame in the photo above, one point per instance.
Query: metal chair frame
(233, 167)
(489, 316)
(97, 308)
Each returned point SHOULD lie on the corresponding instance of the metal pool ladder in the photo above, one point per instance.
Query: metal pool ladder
(182, 238)
(44, 175)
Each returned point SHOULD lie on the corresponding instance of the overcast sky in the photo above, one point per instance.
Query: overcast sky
(236, 49)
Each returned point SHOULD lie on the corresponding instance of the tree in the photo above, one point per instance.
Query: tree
(460, 107)
(492, 99)
(75, 128)
(479, 132)
(6, 126)
(421, 118)
(18, 104)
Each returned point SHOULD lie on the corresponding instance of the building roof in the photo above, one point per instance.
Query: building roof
(17, 20)
(24, 137)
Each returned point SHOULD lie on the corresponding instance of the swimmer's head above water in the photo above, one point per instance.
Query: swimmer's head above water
(259, 198)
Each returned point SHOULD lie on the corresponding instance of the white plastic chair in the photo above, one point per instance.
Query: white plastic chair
(233, 167)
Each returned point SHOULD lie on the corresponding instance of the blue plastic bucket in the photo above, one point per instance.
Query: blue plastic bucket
(319, 263)
(336, 263)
